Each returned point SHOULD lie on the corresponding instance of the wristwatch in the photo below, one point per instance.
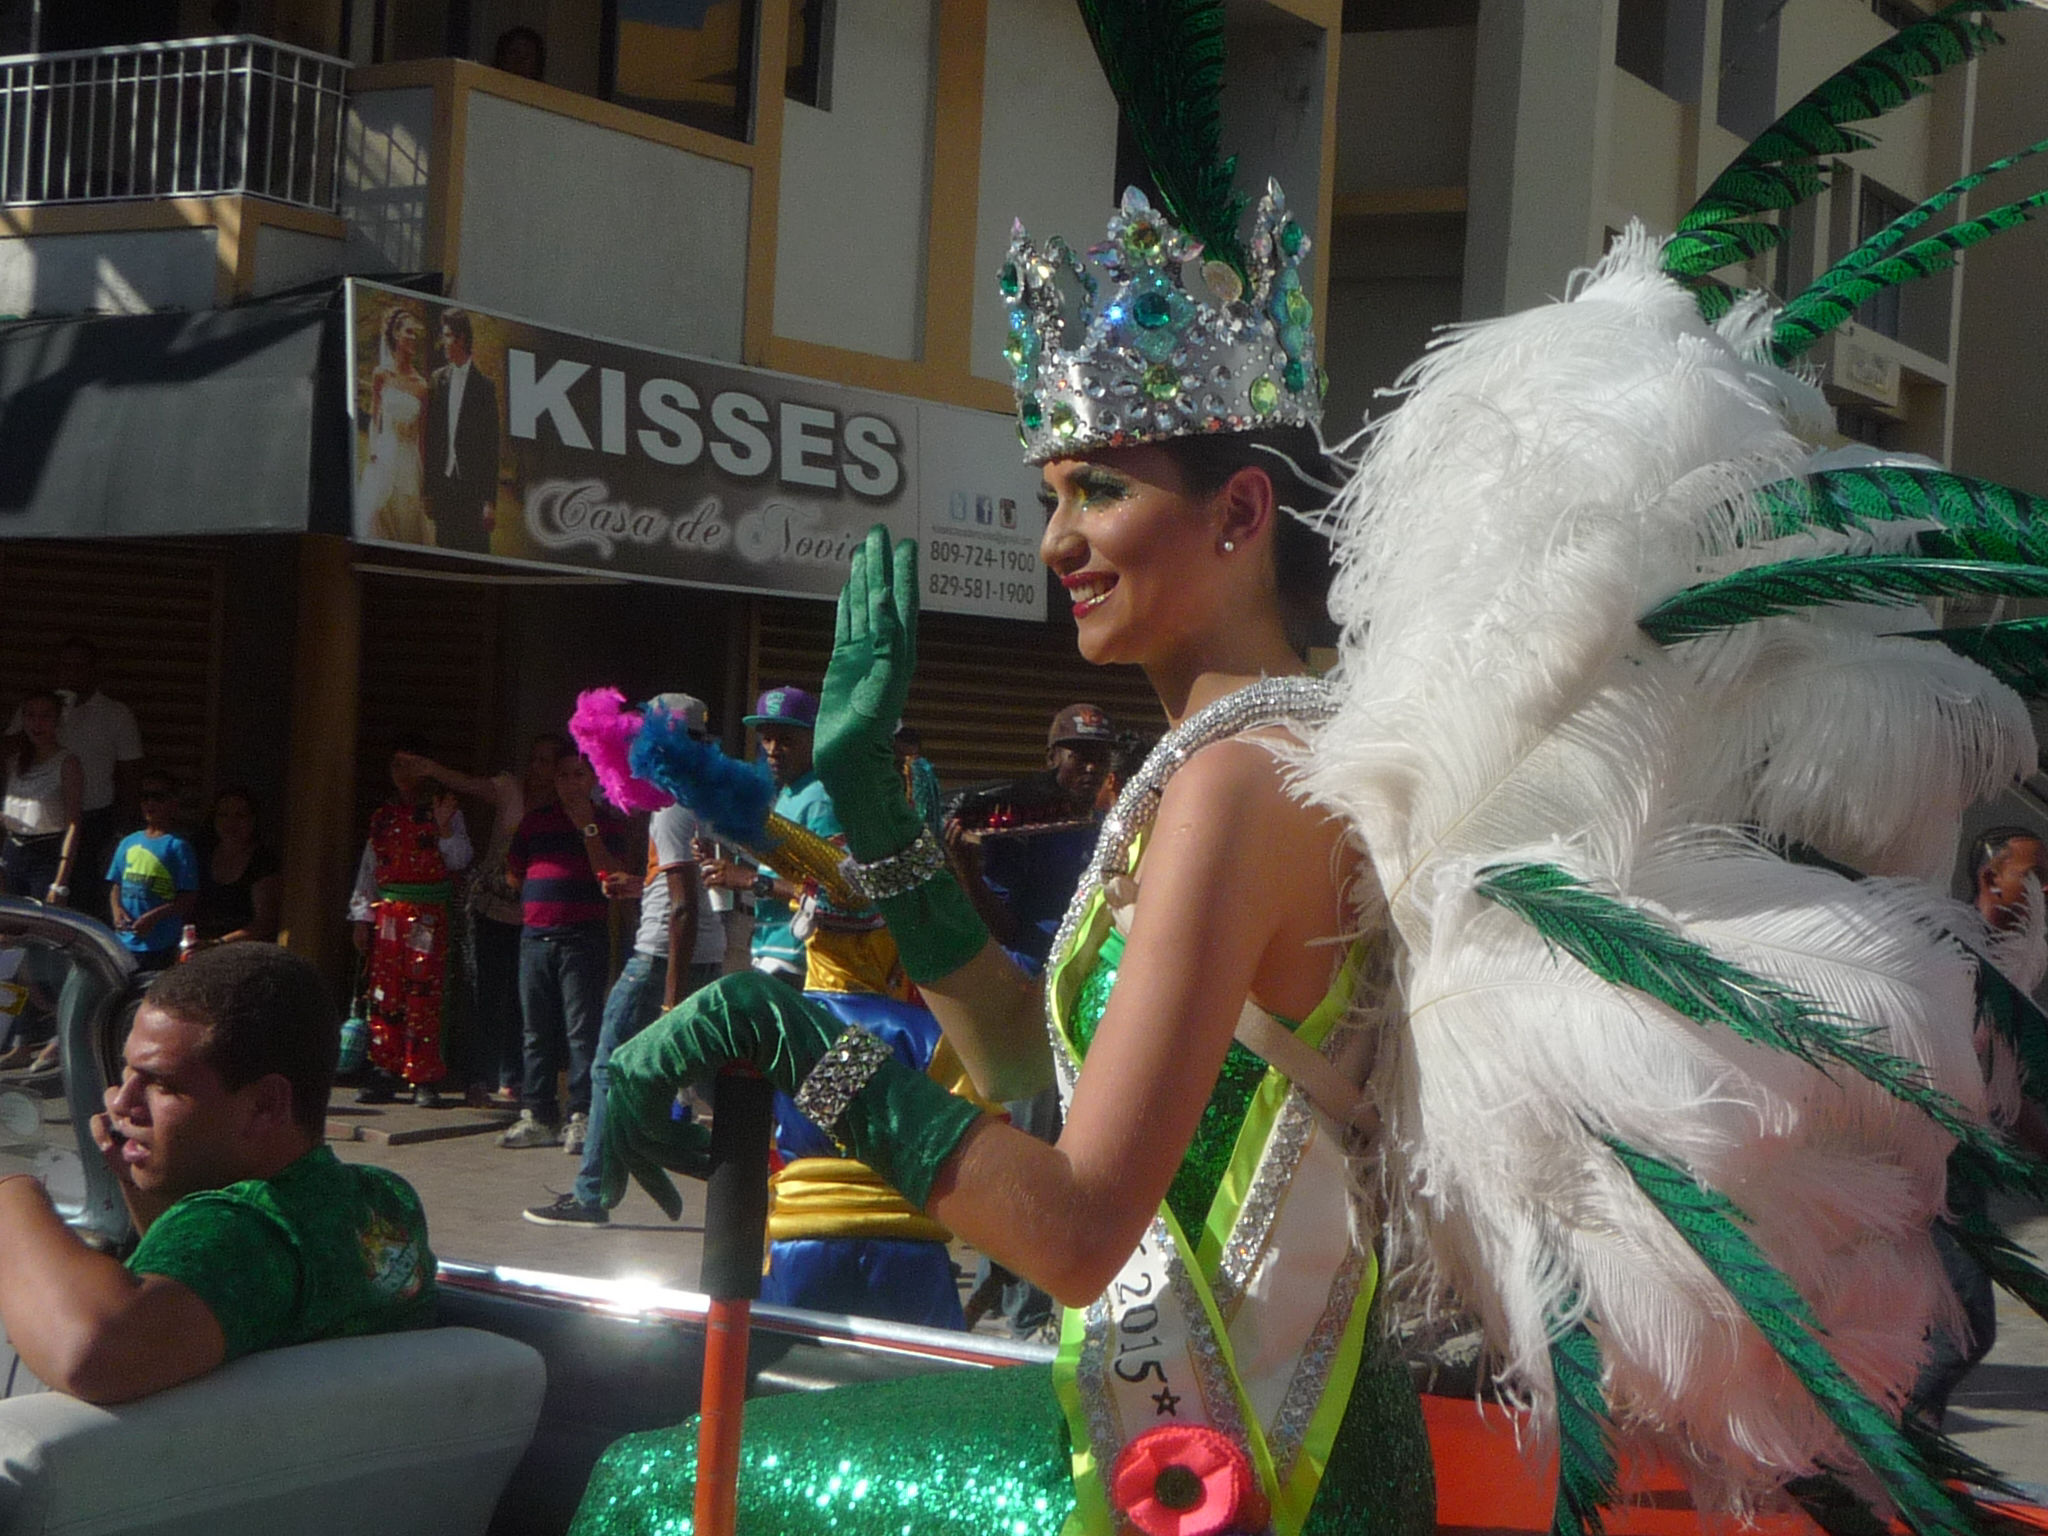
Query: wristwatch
(588, 829)
(764, 886)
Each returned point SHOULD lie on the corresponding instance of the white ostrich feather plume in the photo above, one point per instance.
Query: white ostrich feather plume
(1547, 479)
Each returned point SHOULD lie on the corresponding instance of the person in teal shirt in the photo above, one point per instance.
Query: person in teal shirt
(254, 1235)
(153, 879)
(783, 720)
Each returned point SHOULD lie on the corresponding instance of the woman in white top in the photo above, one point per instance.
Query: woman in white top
(45, 798)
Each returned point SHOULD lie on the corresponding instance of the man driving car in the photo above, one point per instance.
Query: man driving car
(253, 1234)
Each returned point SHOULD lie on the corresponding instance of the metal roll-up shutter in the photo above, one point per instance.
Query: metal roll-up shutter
(155, 610)
(985, 691)
(430, 659)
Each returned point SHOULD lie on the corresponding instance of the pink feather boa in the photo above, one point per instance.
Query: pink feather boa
(605, 729)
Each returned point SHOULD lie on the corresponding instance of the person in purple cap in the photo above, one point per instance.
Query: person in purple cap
(783, 720)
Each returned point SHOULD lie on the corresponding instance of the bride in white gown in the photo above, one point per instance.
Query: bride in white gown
(389, 503)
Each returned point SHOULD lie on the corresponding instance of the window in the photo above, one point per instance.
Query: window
(691, 61)
(807, 77)
(1876, 207)
(1660, 42)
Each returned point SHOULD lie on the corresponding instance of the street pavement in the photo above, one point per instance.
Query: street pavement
(474, 1192)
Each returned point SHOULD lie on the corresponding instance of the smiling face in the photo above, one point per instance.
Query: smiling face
(1133, 550)
(185, 1129)
(406, 336)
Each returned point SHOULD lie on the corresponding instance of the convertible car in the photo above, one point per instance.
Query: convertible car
(492, 1421)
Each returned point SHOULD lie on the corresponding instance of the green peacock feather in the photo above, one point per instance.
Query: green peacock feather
(1585, 1459)
(1841, 499)
(1779, 169)
(1835, 296)
(2016, 653)
(1894, 233)
(1716, 1230)
(1789, 585)
(1625, 946)
(1164, 62)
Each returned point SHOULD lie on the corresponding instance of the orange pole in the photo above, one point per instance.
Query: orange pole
(735, 1237)
(721, 1411)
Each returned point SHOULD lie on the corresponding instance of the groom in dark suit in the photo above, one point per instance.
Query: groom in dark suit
(460, 443)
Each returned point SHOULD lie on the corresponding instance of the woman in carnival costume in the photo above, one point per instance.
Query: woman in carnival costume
(1580, 943)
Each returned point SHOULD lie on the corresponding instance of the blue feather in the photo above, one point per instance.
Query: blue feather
(733, 798)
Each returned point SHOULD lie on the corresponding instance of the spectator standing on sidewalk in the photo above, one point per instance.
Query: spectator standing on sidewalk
(784, 720)
(400, 908)
(45, 799)
(679, 947)
(153, 879)
(102, 732)
(241, 884)
(561, 858)
(496, 1053)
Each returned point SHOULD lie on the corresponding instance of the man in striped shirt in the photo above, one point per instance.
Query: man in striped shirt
(562, 858)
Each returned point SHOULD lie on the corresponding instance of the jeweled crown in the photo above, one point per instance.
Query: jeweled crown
(1159, 357)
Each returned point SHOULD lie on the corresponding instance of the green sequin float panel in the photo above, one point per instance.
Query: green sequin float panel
(969, 1453)
(986, 1453)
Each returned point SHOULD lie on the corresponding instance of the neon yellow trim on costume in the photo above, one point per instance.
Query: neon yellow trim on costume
(816, 1197)
(1298, 1494)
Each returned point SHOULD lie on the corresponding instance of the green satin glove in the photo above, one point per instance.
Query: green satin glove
(901, 1123)
(874, 653)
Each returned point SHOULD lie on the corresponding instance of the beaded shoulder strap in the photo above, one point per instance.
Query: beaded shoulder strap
(1308, 701)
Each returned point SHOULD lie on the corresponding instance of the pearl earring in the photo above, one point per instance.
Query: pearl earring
(1229, 547)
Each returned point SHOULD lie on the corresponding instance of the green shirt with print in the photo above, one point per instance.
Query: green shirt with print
(324, 1250)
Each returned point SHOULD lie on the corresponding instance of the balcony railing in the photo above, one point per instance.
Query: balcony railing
(201, 118)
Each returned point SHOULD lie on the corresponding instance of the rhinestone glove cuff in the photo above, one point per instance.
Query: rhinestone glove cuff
(828, 1088)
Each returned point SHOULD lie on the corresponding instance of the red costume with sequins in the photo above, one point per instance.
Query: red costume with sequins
(409, 942)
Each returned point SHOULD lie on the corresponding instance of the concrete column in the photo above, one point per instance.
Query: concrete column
(1541, 103)
(320, 838)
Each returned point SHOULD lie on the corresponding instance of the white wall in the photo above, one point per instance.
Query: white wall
(286, 258)
(1048, 149)
(850, 240)
(598, 231)
(1646, 171)
(385, 157)
(1273, 104)
(1816, 38)
(124, 272)
(1404, 109)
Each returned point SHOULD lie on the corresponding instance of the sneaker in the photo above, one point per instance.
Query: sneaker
(567, 1211)
(424, 1097)
(531, 1131)
(575, 1133)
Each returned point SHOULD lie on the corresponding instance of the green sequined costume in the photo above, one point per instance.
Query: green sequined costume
(988, 1452)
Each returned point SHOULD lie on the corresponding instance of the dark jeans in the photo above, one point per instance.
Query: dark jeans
(561, 994)
(634, 1003)
(495, 1043)
(29, 864)
(98, 833)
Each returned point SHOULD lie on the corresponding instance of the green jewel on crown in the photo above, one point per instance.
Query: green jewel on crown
(1170, 346)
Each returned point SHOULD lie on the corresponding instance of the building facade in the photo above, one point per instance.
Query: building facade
(814, 190)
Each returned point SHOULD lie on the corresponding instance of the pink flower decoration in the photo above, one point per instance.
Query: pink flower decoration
(1184, 1480)
(604, 730)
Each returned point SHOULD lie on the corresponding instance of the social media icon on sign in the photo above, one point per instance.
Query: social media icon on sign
(985, 510)
(959, 507)
(1006, 511)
